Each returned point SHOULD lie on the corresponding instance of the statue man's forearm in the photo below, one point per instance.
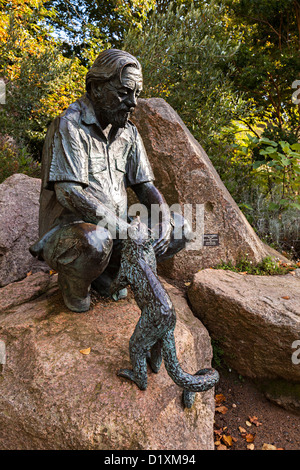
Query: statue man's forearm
(73, 197)
(148, 195)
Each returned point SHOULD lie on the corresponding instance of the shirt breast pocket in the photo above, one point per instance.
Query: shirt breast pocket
(120, 164)
(99, 163)
(98, 160)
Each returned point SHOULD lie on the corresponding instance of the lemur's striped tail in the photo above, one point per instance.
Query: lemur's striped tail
(203, 380)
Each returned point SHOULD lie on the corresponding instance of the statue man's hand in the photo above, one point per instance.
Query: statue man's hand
(162, 243)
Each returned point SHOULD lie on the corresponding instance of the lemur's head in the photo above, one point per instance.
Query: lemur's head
(139, 232)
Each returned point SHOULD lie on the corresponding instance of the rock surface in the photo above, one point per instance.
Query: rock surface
(54, 397)
(255, 320)
(19, 209)
(185, 175)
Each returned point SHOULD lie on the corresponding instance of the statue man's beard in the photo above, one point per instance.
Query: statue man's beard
(116, 117)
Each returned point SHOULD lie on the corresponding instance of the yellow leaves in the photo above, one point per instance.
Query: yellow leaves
(224, 439)
(221, 409)
(85, 352)
(245, 435)
(254, 420)
(227, 440)
(219, 398)
(268, 447)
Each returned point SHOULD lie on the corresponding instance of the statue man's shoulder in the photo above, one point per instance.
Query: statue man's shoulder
(72, 114)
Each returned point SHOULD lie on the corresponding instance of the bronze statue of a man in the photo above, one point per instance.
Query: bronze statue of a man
(92, 153)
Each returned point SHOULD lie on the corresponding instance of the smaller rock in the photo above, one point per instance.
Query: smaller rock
(19, 211)
(255, 320)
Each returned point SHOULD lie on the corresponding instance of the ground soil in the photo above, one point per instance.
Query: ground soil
(279, 427)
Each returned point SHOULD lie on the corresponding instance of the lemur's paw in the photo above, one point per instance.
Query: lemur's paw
(129, 374)
(119, 295)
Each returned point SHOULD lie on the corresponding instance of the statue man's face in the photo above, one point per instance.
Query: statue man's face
(115, 100)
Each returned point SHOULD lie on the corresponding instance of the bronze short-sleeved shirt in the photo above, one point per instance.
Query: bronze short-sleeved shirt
(77, 150)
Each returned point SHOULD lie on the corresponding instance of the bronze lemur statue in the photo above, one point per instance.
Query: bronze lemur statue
(153, 338)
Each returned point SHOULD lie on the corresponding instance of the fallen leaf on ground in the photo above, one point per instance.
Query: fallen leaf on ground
(242, 430)
(248, 423)
(217, 443)
(254, 420)
(227, 440)
(187, 284)
(218, 432)
(29, 274)
(268, 447)
(85, 351)
(250, 446)
(221, 447)
(286, 297)
(250, 437)
(221, 409)
(219, 398)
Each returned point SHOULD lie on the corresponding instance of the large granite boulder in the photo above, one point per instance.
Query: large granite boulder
(255, 320)
(185, 175)
(19, 211)
(56, 393)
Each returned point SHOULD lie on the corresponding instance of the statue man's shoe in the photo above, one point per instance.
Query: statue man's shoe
(70, 291)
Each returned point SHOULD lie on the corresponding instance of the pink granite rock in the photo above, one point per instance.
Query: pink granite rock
(54, 397)
(185, 175)
(19, 212)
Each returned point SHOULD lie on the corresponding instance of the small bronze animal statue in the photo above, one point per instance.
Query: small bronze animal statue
(153, 338)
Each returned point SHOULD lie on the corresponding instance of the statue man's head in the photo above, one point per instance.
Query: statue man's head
(113, 84)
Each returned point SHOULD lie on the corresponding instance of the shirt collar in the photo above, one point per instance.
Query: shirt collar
(88, 114)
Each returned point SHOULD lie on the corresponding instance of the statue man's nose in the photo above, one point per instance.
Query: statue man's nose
(132, 101)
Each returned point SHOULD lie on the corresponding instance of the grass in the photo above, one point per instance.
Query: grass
(267, 267)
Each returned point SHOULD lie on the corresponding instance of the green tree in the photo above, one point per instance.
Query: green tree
(268, 62)
(183, 52)
(40, 81)
(81, 22)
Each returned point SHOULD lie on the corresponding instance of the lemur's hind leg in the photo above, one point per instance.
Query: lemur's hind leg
(154, 356)
(140, 343)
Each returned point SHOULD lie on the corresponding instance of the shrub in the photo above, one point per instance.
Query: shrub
(15, 160)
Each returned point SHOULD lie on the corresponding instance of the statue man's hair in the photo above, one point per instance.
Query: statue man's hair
(109, 65)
